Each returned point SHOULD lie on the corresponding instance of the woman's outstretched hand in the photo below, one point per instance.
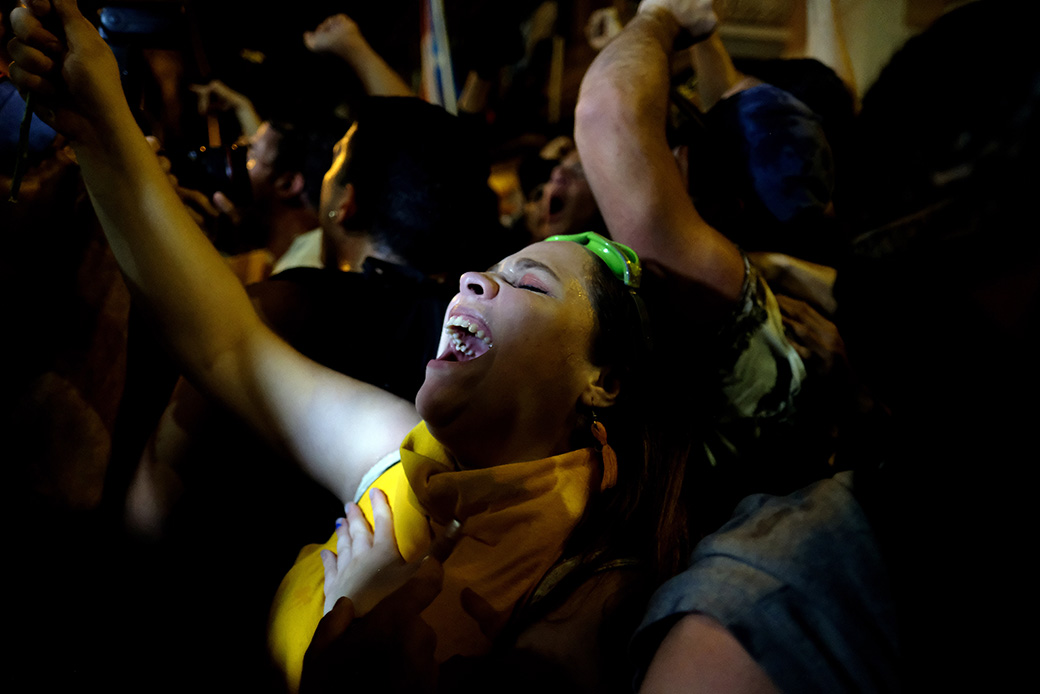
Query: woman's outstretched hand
(367, 565)
(61, 60)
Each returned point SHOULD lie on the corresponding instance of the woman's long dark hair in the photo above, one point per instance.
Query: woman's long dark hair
(640, 517)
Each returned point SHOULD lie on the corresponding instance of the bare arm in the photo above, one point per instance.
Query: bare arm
(217, 96)
(717, 77)
(620, 132)
(700, 655)
(340, 35)
(333, 425)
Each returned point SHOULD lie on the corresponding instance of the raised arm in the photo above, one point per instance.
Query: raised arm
(340, 36)
(620, 133)
(216, 96)
(333, 425)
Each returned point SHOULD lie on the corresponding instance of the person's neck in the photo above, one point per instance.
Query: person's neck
(491, 447)
(347, 250)
(285, 224)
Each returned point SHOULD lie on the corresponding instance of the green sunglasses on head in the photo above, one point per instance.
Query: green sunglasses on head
(621, 259)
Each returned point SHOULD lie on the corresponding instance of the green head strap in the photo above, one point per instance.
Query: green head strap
(622, 260)
(623, 264)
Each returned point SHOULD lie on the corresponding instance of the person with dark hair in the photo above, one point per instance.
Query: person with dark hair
(534, 418)
(563, 203)
(408, 186)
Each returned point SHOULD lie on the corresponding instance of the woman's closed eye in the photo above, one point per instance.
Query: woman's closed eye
(531, 283)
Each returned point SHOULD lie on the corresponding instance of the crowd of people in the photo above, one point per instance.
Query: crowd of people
(719, 396)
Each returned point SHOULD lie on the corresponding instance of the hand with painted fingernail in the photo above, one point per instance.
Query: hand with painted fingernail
(367, 565)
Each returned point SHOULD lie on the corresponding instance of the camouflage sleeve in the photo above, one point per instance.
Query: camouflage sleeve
(759, 372)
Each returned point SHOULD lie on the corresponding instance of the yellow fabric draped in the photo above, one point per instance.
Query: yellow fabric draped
(515, 520)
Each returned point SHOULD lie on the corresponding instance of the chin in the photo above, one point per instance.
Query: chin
(435, 406)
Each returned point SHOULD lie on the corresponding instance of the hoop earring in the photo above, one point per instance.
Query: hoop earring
(599, 432)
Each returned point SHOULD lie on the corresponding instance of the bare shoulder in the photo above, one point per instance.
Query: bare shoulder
(335, 427)
(701, 655)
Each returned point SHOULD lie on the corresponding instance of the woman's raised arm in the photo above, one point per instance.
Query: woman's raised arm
(333, 425)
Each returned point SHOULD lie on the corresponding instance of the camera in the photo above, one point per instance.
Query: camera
(212, 169)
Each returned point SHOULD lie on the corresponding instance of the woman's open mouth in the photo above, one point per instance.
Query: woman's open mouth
(556, 204)
(468, 339)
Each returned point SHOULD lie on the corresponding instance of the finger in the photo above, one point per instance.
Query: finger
(30, 30)
(199, 200)
(360, 532)
(40, 8)
(27, 81)
(30, 58)
(791, 306)
(382, 519)
(328, 561)
(66, 10)
(344, 542)
(793, 327)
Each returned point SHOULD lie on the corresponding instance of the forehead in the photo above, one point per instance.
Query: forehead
(567, 261)
(265, 139)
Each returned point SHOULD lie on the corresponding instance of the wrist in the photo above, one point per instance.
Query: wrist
(660, 15)
(353, 49)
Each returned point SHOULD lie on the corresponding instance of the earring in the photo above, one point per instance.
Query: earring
(332, 214)
(599, 432)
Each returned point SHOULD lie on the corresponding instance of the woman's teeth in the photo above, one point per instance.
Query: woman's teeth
(457, 327)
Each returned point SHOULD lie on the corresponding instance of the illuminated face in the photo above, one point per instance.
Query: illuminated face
(260, 159)
(515, 358)
(566, 205)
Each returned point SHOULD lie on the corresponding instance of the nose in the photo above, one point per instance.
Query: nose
(478, 284)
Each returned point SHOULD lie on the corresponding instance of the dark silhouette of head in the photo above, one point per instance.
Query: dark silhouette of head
(420, 187)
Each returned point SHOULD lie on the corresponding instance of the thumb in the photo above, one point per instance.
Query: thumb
(70, 18)
(66, 11)
(39, 8)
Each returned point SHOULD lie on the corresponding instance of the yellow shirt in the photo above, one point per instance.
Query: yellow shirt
(515, 520)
